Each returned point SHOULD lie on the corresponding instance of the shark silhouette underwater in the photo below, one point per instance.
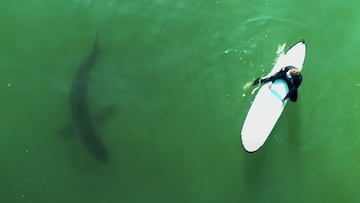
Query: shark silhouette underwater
(83, 122)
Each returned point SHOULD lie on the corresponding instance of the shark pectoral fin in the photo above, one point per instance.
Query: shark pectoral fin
(106, 114)
(67, 131)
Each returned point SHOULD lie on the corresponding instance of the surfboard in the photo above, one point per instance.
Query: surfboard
(267, 106)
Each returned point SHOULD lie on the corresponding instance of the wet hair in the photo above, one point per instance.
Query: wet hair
(294, 72)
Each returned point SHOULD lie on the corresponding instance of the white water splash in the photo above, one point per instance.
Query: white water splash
(280, 51)
(254, 90)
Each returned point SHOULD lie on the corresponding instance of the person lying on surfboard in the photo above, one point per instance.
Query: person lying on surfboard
(292, 77)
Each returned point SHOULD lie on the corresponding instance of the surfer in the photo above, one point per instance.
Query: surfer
(292, 77)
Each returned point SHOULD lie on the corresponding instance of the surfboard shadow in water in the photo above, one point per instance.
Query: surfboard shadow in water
(79, 106)
(254, 171)
(294, 126)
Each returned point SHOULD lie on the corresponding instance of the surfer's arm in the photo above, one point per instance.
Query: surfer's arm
(292, 94)
(262, 80)
(271, 78)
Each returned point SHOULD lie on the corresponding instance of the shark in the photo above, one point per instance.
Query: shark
(79, 106)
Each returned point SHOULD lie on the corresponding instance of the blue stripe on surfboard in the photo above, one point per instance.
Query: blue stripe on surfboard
(276, 94)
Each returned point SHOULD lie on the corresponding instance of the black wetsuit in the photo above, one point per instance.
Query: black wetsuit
(293, 82)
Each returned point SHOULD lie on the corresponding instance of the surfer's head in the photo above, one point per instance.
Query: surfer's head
(294, 72)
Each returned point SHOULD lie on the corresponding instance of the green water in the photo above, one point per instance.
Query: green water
(175, 70)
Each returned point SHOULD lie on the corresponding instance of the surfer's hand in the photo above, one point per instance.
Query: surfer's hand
(247, 85)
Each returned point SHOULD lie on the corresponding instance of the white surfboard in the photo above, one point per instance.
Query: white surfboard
(267, 105)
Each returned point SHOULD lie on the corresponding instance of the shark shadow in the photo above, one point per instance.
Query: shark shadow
(83, 121)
